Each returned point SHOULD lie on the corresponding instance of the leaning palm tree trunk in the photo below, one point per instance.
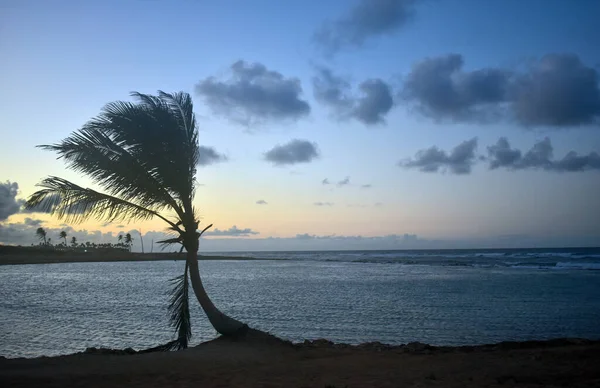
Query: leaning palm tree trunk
(222, 323)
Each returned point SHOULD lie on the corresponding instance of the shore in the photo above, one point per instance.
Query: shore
(33, 258)
(269, 362)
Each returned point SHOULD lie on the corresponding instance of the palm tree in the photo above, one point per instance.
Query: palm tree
(128, 240)
(120, 239)
(41, 234)
(63, 235)
(144, 156)
(74, 242)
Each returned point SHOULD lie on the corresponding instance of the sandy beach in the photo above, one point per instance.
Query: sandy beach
(267, 362)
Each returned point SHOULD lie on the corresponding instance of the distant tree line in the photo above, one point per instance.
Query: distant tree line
(124, 242)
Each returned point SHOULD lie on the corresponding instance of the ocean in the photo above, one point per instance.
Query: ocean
(441, 297)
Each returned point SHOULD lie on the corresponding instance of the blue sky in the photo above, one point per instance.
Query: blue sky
(63, 60)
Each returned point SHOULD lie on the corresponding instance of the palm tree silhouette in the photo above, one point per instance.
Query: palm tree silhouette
(74, 242)
(41, 234)
(128, 241)
(144, 155)
(63, 235)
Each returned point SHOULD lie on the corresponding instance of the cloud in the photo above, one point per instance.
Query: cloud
(540, 156)
(558, 91)
(9, 204)
(208, 156)
(366, 20)
(333, 91)
(344, 182)
(323, 204)
(261, 202)
(34, 223)
(254, 94)
(233, 231)
(325, 182)
(375, 102)
(440, 89)
(459, 161)
(370, 106)
(367, 186)
(296, 151)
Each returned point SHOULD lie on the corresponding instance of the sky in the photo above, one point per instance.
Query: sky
(363, 124)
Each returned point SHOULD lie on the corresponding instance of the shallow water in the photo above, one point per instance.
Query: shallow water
(64, 308)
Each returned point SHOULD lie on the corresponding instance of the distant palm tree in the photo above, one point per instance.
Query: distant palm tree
(63, 235)
(128, 241)
(41, 234)
(120, 239)
(74, 242)
(144, 155)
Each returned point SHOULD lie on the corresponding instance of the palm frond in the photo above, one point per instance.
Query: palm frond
(73, 203)
(113, 167)
(159, 133)
(169, 241)
(183, 108)
(179, 310)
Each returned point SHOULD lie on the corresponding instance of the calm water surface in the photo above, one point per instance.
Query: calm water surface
(64, 308)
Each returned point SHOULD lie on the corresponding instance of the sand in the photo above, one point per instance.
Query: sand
(274, 363)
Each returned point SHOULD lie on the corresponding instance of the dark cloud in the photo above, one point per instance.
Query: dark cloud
(233, 231)
(254, 94)
(367, 19)
(459, 161)
(323, 204)
(9, 204)
(440, 89)
(540, 156)
(344, 182)
(261, 202)
(120, 226)
(502, 155)
(558, 91)
(370, 106)
(208, 155)
(296, 151)
(367, 186)
(325, 181)
(375, 103)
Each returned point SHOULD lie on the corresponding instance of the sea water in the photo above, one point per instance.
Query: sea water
(437, 297)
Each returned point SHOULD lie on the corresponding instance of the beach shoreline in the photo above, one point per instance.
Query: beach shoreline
(272, 363)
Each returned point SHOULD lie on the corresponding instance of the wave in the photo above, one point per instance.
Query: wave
(553, 259)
